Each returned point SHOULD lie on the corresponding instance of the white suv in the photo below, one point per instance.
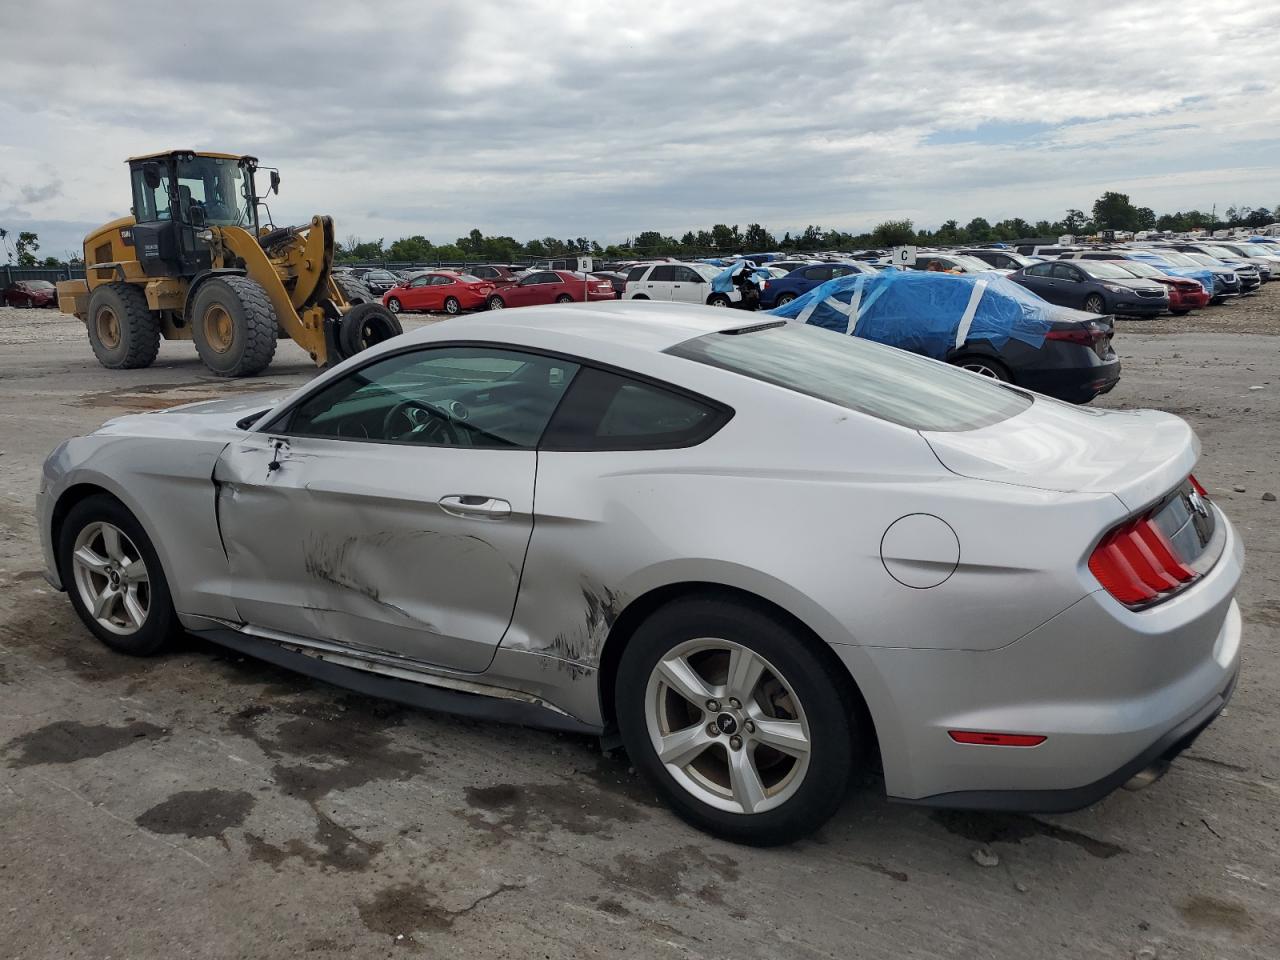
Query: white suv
(678, 282)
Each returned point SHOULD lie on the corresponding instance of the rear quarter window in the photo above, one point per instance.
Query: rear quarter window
(604, 410)
(870, 378)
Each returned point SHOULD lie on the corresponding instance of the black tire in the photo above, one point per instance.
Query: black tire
(984, 366)
(564, 298)
(161, 625)
(496, 303)
(353, 291)
(1094, 303)
(365, 325)
(718, 300)
(394, 305)
(836, 740)
(124, 333)
(784, 299)
(1179, 313)
(452, 306)
(234, 326)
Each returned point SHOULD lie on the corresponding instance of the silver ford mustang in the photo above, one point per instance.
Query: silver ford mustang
(763, 556)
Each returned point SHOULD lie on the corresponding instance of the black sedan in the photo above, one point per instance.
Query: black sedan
(378, 281)
(1095, 287)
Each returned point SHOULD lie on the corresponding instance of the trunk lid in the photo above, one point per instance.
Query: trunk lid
(1137, 455)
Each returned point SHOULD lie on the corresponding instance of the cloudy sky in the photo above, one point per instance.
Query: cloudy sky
(602, 119)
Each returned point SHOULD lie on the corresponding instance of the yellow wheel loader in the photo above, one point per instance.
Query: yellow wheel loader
(194, 263)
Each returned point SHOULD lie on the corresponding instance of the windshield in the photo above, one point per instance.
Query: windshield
(39, 284)
(1177, 259)
(871, 378)
(217, 185)
(1222, 253)
(971, 263)
(1103, 270)
(1203, 258)
(1258, 250)
(1139, 269)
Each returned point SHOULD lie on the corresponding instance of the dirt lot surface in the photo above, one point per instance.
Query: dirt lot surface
(205, 805)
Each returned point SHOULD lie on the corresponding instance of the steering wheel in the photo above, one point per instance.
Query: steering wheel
(424, 420)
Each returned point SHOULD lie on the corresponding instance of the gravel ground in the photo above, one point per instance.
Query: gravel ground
(204, 805)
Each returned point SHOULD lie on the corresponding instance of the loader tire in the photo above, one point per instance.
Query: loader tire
(364, 325)
(353, 291)
(234, 326)
(123, 332)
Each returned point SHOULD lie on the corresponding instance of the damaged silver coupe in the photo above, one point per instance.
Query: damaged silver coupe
(763, 555)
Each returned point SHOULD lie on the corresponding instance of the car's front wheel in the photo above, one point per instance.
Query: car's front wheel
(452, 306)
(394, 305)
(737, 719)
(113, 576)
(1095, 304)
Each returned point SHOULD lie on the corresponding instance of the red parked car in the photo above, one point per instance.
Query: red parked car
(30, 293)
(1185, 294)
(551, 286)
(441, 291)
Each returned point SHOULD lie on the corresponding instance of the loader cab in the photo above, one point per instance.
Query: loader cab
(177, 196)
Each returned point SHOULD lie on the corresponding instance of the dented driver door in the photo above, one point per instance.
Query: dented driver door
(410, 550)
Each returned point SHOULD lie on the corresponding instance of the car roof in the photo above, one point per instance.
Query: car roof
(607, 325)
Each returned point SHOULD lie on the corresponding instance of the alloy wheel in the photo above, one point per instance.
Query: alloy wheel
(980, 368)
(727, 726)
(111, 578)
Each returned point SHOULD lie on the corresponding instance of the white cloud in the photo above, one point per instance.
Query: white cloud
(586, 119)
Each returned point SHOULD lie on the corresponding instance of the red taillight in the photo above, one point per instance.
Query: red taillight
(1137, 564)
(981, 738)
(1087, 336)
(1195, 485)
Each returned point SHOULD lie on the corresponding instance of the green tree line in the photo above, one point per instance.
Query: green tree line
(1111, 211)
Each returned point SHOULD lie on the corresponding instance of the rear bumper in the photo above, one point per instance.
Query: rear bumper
(1113, 691)
(1156, 758)
(1073, 384)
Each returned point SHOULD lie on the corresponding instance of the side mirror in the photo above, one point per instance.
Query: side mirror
(151, 175)
(275, 182)
(195, 215)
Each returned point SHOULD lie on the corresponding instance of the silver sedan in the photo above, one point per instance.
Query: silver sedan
(762, 556)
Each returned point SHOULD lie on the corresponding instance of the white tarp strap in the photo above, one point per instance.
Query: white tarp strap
(966, 321)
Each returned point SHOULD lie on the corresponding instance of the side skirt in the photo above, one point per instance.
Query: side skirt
(425, 690)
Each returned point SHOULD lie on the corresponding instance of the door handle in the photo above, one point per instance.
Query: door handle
(476, 507)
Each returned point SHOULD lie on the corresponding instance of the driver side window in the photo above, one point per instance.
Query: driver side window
(445, 396)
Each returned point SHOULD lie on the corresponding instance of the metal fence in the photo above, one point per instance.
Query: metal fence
(11, 274)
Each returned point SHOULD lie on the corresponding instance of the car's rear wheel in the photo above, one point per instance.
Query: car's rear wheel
(114, 578)
(785, 298)
(984, 366)
(451, 305)
(564, 298)
(718, 300)
(733, 715)
(1095, 304)
(497, 303)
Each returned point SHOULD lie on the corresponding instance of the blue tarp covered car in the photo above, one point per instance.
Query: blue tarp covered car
(982, 322)
(928, 313)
